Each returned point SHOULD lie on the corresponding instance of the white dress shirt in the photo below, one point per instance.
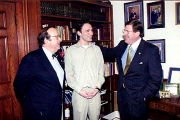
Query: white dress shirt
(134, 48)
(56, 65)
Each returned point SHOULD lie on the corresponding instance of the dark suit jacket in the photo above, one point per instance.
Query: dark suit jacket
(37, 87)
(144, 75)
(132, 14)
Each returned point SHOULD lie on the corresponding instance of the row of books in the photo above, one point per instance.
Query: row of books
(67, 33)
(101, 32)
(108, 69)
(103, 102)
(68, 11)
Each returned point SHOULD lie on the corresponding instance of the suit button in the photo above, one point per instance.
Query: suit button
(41, 113)
(123, 85)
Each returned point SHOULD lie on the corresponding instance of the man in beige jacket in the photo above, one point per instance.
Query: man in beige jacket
(85, 74)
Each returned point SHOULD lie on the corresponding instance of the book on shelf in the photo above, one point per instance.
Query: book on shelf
(60, 31)
(67, 101)
(95, 34)
(63, 32)
(67, 35)
(99, 32)
(103, 91)
(69, 11)
(68, 96)
(103, 102)
(107, 69)
(74, 34)
(106, 32)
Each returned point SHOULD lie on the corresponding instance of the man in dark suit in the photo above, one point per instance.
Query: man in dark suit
(133, 14)
(39, 81)
(143, 77)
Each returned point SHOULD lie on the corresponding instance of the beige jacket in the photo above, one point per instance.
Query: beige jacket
(84, 67)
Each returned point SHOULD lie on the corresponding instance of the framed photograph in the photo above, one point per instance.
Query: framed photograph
(174, 75)
(155, 15)
(164, 94)
(133, 10)
(177, 12)
(160, 43)
(173, 88)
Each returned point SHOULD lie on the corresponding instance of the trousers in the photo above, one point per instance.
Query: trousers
(83, 107)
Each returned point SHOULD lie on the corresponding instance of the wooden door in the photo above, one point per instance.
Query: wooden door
(9, 106)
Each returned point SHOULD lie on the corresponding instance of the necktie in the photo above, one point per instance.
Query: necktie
(54, 55)
(128, 61)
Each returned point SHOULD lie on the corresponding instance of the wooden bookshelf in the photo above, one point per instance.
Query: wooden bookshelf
(111, 87)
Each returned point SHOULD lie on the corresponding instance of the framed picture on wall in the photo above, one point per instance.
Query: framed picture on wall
(177, 12)
(174, 75)
(155, 15)
(133, 10)
(160, 43)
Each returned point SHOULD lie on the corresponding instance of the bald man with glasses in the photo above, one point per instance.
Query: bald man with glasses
(39, 82)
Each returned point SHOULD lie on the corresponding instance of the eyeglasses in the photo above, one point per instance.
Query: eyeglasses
(126, 31)
(57, 36)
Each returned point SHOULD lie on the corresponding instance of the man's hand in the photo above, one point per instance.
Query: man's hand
(93, 93)
(84, 93)
(87, 94)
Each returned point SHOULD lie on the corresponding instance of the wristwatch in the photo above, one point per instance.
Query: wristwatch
(98, 89)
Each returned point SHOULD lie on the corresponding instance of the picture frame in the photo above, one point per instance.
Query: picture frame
(133, 10)
(174, 75)
(160, 43)
(155, 15)
(173, 88)
(164, 94)
(177, 13)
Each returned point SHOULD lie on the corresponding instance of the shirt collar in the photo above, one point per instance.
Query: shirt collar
(136, 44)
(79, 45)
(47, 52)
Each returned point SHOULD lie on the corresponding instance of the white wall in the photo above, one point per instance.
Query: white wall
(171, 32)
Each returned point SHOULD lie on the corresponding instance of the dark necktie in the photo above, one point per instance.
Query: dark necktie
(54, 55)
(128, 61)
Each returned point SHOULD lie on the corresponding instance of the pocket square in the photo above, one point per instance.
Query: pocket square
(141, 63)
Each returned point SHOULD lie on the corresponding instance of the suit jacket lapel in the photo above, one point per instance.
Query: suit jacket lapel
(59, 59)
(138, 54)
(46, 63)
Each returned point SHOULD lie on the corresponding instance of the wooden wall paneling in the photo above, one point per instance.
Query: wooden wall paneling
(6, 111)
(4, 64)
(34, 22)
(9, 62)
(23, 44)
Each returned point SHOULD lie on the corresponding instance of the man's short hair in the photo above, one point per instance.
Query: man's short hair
(137, 26)
(42, 35)
(80, 24)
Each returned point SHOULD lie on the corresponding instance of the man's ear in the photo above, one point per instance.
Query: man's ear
(137, 34)
(79, 33)
(46, 40)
